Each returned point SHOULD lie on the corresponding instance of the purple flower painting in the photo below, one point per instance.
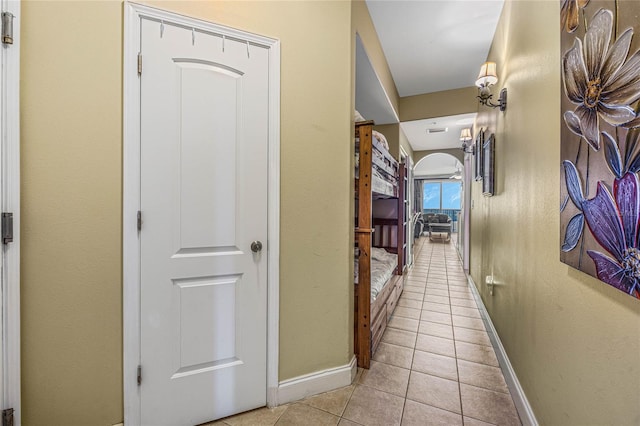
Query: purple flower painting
(600, 80)
(600, 141)
(613, 221)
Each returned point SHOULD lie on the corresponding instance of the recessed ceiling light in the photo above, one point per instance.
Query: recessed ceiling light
(438, 130)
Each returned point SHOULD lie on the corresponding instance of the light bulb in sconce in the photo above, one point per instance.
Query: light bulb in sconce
(465, 137)
(487, 77)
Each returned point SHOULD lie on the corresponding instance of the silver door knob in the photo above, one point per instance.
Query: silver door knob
(256, 246)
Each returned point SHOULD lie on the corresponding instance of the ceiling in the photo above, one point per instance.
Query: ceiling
(421, 140)
(430, 46)
(434, 45)
(371, 100)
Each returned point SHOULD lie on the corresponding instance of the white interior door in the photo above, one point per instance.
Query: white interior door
(203, 171)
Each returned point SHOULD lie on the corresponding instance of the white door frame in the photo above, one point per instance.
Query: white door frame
(466, 212)
(408, 195)
(10, 172)
(133, 13)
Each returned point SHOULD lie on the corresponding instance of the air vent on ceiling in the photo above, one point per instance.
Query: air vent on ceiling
(437, 130)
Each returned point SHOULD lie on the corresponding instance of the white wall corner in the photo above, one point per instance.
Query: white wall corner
(527, 416)
(314, 383)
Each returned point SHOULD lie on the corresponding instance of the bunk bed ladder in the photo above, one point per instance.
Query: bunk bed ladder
(364, 230)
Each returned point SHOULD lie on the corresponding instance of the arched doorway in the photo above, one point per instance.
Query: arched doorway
(441, 186)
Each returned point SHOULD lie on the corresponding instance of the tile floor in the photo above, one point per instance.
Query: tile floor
(434, 366)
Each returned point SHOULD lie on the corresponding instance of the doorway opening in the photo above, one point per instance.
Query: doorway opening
(441, 183)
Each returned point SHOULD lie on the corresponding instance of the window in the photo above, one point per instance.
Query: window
(442, 195)
(451, 195)
(431, 199)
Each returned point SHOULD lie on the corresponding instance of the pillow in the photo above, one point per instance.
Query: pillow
(382, 139)
(379, 254)
(443, 218)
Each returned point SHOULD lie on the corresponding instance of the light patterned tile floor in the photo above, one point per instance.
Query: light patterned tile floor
(435, 365)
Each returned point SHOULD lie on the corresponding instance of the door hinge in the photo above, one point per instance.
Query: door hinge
(7, 417)
(139, 220)
(7, 228)
(139, 375)
(139, 63)
(7, 27)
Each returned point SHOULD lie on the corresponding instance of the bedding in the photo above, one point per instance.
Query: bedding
(381, 138)
(383, 180)
(382, 265)
(380, 185)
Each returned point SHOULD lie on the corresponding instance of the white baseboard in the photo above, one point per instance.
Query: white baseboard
(314, 383)
(525, 411)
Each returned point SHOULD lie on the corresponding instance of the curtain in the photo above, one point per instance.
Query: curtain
(417, 195)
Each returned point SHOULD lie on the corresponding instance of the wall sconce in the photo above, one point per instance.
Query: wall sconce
(486, 79)
(465, 137)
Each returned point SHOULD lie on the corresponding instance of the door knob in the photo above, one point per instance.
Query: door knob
(256, 246)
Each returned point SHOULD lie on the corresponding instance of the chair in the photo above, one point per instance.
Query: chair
(441, 224)
(430, 218)
(418, 225)
(444, 218)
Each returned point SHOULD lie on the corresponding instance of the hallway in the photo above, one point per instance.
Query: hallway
(434, 366)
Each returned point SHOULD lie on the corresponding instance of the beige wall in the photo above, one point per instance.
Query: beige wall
(72, 188)
(392, 133)
(71, 213)
(396, 139)
(574, 341)
(404, 143)
(457, 153)
(439, 104)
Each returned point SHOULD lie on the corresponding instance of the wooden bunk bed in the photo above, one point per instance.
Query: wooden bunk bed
(373, 309)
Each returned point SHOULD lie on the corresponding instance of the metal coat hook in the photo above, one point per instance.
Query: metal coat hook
(193, 36)
(248, 56)
(224, 38)
(161, 28)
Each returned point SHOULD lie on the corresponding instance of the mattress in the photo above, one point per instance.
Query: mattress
(383, 264)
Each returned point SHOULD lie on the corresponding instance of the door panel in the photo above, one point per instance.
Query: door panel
(207, 321)
(204, 133)
(209, 118)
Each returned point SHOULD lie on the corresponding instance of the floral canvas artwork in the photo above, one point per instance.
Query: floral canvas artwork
(600, 140)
